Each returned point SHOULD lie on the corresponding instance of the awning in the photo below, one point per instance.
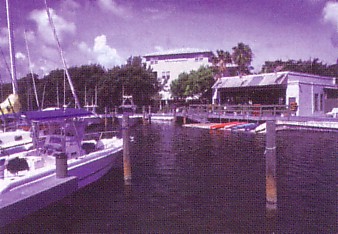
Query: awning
(279, 78)
(56, 114)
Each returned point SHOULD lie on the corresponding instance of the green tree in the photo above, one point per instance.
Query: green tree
(314, 66)
(242, 56)
(219, 63)
(196, 83)
(178, 86)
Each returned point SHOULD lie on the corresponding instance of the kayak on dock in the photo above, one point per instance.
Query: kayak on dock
(223, 125)
(244, 127)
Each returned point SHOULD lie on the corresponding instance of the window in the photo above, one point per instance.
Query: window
(197, 59)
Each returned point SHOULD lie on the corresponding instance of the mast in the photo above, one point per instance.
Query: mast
(11, 51)
(31, 71)
(77, 103)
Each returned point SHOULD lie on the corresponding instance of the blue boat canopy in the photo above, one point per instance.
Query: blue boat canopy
(62, 113)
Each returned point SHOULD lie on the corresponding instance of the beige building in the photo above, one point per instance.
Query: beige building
(168, 65)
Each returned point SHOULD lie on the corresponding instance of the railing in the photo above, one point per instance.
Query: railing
(100, 135)
(245, 110)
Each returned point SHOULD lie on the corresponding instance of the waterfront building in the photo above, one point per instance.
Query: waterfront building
(312, 95)
(170, 64)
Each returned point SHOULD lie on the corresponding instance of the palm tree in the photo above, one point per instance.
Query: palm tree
(242, 56)
(219, 63)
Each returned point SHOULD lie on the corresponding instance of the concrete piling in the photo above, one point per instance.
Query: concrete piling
(126, 156)
(2, 169)
(271, 163)
(61, 165)
(149, 114)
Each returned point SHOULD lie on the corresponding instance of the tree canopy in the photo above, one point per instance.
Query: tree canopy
(312, 66)
(238, 62)
(195, 84)
(89, 81)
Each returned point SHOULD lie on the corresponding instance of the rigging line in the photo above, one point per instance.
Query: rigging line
(77, 103)
(4, 58)
(11, 51)
(31, 71)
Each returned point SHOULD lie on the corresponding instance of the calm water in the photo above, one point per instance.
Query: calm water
(195, 181)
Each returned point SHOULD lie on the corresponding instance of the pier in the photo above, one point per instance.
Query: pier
(282, 114)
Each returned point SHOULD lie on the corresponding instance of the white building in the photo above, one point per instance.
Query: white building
(168, 66)
(314, 95)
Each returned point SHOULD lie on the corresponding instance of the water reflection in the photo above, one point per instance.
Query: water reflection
(193, 181)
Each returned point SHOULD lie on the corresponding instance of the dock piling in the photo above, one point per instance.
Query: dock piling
(126, 156)
(2, 169)
(271, 161)
(61, 169)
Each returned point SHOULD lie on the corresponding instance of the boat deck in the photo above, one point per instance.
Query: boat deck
(23, 201)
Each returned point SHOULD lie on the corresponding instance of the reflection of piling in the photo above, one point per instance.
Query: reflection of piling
(270, 159)
(61, 169)
(126, 156)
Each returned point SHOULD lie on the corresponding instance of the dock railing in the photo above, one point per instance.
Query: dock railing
(243, 110)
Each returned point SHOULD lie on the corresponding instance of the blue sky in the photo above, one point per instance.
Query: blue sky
(109, 31)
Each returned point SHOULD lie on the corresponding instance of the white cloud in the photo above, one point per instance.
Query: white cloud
(330, 13)
(44, 29)
(20, 56)
(113, 7)
(100, 53)
(106, 55)
(3, 37)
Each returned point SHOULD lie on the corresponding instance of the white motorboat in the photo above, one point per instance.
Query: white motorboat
(89, 157)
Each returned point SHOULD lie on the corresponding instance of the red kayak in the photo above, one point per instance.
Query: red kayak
(224, 125)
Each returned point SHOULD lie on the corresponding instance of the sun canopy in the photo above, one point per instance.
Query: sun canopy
(252, 80)
(46, 115)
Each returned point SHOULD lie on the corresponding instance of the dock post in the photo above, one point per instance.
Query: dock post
(61, 167)
(2, 168)
(271, 163)
(144, 115)
(126, 156)
(174, 114)
(184, 115)
(105, 119)
(149, 114)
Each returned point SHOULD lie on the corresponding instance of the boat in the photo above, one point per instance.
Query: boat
(223, 125)
(88, 156)
(58, 133)
(128, 108)
(231, 124)
(244, 127)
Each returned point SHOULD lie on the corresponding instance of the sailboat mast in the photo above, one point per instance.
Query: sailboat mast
(11, 51)
(77, 103)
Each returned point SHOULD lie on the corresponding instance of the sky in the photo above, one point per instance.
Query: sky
(107, 32)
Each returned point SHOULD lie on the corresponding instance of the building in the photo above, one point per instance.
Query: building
(168, 66)
(314, 95)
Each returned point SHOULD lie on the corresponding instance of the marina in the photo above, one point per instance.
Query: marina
(196, 180)
(180, 140)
